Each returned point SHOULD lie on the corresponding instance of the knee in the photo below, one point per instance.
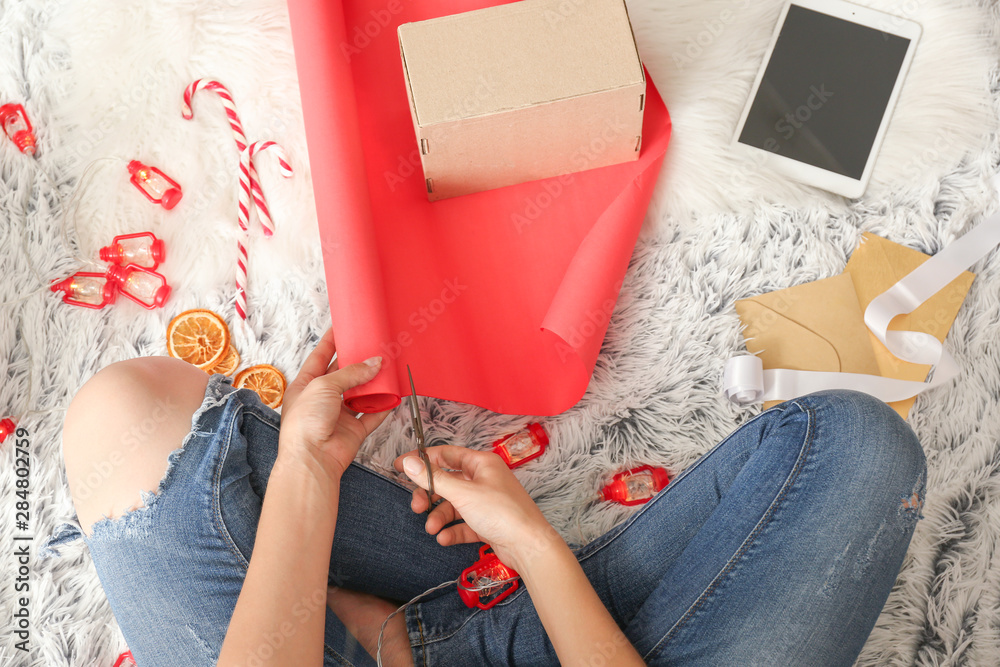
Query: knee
(874, 440)
(122, 390)
(119, 426)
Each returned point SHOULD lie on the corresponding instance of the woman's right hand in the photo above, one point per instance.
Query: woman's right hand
(479, 489)
(482, 490)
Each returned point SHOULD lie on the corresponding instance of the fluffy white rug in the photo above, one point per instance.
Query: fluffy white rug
(104, 79)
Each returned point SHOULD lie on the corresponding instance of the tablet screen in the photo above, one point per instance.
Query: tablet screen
(825, 91)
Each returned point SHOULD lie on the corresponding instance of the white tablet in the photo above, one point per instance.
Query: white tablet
(822, 100)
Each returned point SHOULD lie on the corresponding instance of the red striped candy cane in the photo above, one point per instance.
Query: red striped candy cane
(246, 168)
(263, 214)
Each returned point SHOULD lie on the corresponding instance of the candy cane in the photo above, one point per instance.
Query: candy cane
(263, 214)
(246, 169)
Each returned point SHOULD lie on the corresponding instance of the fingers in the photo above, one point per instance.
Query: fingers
(373, 421)
(460, 533)
(452, 457)
(440, 516)
(445, 483)
(419, 502)
(318, 361)
(462, 466)
(351, 376)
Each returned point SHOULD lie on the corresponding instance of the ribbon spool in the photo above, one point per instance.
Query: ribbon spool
(745, 381)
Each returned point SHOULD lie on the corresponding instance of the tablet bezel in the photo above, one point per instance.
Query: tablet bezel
(811, 174)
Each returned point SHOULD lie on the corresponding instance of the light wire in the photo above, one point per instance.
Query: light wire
(489, 586)
(378, 648)
(68, 212)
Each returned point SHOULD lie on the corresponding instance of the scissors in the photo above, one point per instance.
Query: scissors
(418, 431)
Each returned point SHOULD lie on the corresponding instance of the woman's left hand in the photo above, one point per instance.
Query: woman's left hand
(315, 425)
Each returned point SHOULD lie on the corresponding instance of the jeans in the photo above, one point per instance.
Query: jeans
(778, 547)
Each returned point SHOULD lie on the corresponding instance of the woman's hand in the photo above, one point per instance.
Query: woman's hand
(316, 428)
(480, 489)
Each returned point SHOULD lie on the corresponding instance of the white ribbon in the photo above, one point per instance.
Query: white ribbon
(745, 381)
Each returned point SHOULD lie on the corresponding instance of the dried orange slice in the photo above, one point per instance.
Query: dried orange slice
(199, 337)
(228, 364)
(264, 379)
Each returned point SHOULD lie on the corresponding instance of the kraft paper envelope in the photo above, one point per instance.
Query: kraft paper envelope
(876, 265)
(817, 326)
(820, 326)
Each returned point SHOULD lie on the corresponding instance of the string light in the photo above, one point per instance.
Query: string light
(635, 486)
(87, 289)
(486, 576)
(7, 427)
(93, 293)
(154, 184)
(146, 287)
(142, 249)
(519, 448)
(18, 128)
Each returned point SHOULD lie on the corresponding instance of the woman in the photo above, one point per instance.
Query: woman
(779, 546)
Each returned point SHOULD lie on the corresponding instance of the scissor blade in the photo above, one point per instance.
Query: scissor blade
(418, 427)
(418, 431)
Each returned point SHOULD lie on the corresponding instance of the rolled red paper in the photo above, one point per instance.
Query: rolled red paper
(500, 298)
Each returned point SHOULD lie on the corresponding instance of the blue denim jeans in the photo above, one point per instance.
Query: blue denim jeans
(779, 546)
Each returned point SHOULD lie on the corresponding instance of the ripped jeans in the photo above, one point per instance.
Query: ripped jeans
(778, 547)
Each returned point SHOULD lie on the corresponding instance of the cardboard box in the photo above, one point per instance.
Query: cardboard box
(522, 91)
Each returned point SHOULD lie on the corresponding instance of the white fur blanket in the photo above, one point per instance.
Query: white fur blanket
(104, 79)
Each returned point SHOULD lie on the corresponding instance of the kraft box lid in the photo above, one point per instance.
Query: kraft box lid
(517, 55)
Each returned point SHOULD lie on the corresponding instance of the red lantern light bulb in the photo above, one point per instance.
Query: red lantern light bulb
(88, 290)
(636, 486)
(484, 578)
(17, 126)
(142, 249)
(157, 186)
(147, 288)
(521, 447)
(7, 427)
(125, 660)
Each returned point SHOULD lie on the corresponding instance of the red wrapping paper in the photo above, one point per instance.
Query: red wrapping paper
(501, 298)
